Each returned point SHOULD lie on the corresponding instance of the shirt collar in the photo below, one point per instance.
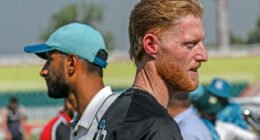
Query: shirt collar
(183, 115)
(93, 107)
(65, 116)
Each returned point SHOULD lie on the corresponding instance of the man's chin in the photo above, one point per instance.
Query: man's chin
(193, 85)
(187, 85)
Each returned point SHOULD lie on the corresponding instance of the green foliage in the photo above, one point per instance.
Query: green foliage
(109, 40)
(258, 22)
(235, 40)
(90, 14)
(64, 16)
(254, 36)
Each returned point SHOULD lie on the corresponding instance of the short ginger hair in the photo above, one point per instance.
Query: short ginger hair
(156, 16)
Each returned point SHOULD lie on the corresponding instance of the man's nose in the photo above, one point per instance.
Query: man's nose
(44, 71)
(202, 53)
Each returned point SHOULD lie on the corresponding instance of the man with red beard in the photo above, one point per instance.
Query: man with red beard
(166, 44)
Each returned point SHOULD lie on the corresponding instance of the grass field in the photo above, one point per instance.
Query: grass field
(121, 74)
(233, 69)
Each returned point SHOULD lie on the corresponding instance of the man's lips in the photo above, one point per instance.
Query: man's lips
(194, 70)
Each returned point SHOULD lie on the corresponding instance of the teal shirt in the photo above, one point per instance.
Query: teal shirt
(212, 130)
(232, 114)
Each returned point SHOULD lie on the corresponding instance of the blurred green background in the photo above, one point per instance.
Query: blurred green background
(121, 74)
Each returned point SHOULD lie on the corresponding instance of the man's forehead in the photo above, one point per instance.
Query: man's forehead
(191, 27)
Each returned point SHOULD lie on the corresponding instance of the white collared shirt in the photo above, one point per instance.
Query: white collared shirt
(87, 125)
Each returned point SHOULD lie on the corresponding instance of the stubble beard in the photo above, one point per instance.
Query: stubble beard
(57, 87)
(174, 74)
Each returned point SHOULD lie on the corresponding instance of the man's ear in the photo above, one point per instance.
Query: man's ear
(150, 43)
(71, 64)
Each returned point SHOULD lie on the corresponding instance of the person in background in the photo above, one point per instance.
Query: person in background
(13, 120)
(208, 106)
(230, 122)
(232, 112)
(75, 57)
(58, 128)
(181, 110)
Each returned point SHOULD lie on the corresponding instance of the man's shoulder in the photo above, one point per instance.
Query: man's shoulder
(140, 105)
(137, 114)
(141, 97)
(144, 104)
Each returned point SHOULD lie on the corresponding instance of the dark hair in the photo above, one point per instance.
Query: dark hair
(13, 99)
(93, 68)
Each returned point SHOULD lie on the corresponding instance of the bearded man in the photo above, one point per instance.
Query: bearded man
(166, 44)
(75, 56)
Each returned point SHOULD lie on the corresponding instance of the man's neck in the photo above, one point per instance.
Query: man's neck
(148, 80)
(176, 110)
(85, 92)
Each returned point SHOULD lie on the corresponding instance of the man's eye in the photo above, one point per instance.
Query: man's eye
(190, 45)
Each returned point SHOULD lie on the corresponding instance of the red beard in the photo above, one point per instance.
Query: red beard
(174, 74)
